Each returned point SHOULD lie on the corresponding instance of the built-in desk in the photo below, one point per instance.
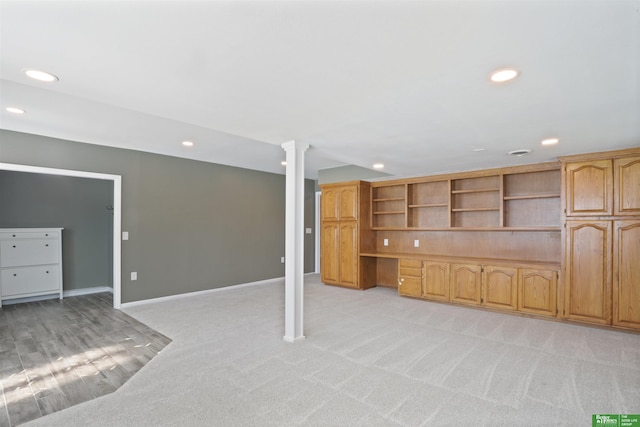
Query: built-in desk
(514, 285)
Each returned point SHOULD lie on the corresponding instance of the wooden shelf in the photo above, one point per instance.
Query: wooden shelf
(430, 205)
(475, 209)
(475, 190)
(389, 199)
(532, 196)
(389, 213)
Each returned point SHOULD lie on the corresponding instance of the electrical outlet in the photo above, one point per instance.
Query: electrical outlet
(307, 230)
(125, 235)
(416, 243)
(134, 275)
(386, 242)
(282, 260)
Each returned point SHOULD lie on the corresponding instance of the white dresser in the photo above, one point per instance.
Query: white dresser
(30, 262)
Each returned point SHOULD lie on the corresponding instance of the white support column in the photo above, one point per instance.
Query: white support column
(294, 242)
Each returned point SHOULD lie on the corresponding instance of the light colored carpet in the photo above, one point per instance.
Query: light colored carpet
(370, 358)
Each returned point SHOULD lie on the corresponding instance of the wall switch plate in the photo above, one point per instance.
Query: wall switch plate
(386, 242)
(134, 275)
(282, 260)
(416, 243)
(307, 230)
(125, 235)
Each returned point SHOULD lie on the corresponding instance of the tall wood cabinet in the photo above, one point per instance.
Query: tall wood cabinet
(345, 231)
(602, 235)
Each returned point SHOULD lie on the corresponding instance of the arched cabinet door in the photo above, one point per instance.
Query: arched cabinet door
(589, 189)
(626, 273)
(627, 186)
(588, 271)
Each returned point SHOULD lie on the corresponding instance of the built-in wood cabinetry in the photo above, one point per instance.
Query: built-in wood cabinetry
(555, 239)
(345, 229)
(602, 249)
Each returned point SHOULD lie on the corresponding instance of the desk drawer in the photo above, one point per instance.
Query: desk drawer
(15, 253)
(15, 282)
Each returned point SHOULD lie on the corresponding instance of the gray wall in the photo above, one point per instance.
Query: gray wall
(193, 225)
(76, 204)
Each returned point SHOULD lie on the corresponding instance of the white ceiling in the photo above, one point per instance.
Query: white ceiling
(404, 83)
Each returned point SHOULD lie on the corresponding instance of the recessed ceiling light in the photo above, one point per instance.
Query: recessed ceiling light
(187, 143)
(519, 153)
(15, 110)
(41, 76)
(283, 163)
(378, 166)
(504, 75)
(479, 149)
(550, 141)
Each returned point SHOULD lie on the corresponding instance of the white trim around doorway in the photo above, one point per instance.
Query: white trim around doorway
(117, 212)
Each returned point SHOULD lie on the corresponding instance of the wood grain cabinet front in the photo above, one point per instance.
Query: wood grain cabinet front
(627, 186)
(410, 277)
(466, 283)
(436, 280)
(537, 291)
(588, 271)
(626, 273)
(499, 287)
(589, 188)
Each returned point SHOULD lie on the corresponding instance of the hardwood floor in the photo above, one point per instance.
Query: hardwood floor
(58, 353)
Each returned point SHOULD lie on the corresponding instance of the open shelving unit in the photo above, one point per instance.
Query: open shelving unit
(509, 200)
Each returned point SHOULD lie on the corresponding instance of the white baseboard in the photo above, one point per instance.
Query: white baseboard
(196, 293)
(86, 291)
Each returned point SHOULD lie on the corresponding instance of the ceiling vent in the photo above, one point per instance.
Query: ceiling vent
(519, 152)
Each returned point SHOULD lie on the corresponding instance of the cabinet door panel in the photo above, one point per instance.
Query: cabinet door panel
(466, 282)
(410, 277)
(499, 287)
(627, 181)
(329, 204)
(590, 188)
(348, 271)
(626, 273)
(436, 280)
(329, 255)
(537, 291)
(349, 203)
(588, 265)
(28, 252)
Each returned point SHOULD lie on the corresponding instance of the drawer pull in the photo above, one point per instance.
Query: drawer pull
(46, 244)
(47, 271)
(15, 274)
(13, 235)
(14, 246)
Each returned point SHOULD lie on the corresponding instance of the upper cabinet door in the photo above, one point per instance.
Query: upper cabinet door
(590, 188)
(349, 203)
(329, 204)
(627, 183)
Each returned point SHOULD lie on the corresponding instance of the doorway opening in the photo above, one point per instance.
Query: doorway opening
(117, 213)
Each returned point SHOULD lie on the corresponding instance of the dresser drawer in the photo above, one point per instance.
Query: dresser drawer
(29, 235)
(28, 252)
(15, 282)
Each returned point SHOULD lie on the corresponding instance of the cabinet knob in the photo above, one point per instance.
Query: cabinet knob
(46, 244)
(47, 271)
(14, 246)
(13, 235)
(14, 274)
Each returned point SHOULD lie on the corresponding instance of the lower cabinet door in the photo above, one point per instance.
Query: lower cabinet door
(329, 253)
(626, 274)
(348, 269)
(436, 280)
(500, 287)
(18, 282)
(588, 271)
(466, 283)
(537, 290)
(410, 277)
